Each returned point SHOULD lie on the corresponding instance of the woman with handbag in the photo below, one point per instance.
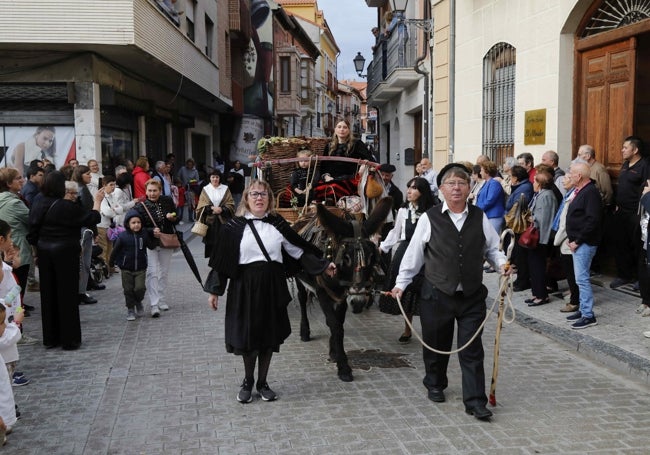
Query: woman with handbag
(418, 200)
(158, 214)
(216, 206)
(542, 208)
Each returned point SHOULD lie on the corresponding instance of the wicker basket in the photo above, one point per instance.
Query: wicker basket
(279, 174)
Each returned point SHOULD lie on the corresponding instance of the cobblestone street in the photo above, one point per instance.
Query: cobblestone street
(167, 386)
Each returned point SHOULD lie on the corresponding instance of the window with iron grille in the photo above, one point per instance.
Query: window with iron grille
(499, 102)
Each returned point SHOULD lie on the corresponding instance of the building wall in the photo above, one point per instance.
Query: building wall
(440, 137)
(541, 33)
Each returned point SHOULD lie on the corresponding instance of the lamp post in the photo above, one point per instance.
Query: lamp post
(425, 24)
(359, 62)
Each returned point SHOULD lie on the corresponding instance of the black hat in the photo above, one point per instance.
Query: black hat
(386, 167)
(444, 170)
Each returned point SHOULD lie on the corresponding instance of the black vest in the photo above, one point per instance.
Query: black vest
(452, 257)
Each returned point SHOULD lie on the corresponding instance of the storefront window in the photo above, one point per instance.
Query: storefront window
(117, 147)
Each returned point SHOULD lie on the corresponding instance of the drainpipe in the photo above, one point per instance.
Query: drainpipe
(425, 103)
(452, 79)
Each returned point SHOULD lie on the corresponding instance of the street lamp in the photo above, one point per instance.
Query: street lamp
(330, 107)
(359, 63)
(425, 24)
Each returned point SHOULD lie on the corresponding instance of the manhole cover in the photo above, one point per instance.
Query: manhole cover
(365, 359)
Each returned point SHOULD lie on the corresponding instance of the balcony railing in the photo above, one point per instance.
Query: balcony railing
(398, 51)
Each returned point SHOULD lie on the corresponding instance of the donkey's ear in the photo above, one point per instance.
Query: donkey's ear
(334, 223)
(378, 215)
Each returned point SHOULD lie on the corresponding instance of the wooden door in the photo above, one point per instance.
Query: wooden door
(606, 109)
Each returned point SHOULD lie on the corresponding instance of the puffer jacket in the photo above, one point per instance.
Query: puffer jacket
(130, 248)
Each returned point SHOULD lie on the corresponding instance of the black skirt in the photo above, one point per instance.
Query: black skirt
(388, 304)
(256, 309)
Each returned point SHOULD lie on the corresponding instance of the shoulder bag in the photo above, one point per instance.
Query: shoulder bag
(169, 241)
(200, 228)
(529, 238)
(517, 218)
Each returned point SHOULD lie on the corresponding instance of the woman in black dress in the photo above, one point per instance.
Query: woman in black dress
(418, 201)
(338, 175)
(54, 224)
(256, 251)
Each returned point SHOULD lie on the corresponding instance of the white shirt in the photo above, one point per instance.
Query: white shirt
(414, 257)
(272, 239)
(398, 233)
(8, 346)
(215, 194)
(430, 176)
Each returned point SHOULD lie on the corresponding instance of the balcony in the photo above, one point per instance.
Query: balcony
(391, 69)
(135, 35)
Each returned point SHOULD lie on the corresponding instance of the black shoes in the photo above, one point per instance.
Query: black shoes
(436, 395)
(245, 395)
(96, 287)
(618, 282)
(266, 393)
(346, 377)
(480, 412)
(86, 299)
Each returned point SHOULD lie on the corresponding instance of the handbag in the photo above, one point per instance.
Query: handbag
(200, 228)
(169, 241)
(529, 238)
(374, 189)
(517, 218)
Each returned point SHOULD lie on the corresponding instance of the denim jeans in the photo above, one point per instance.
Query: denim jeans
(581, 264)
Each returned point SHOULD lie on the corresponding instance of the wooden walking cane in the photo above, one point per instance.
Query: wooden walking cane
(505, 289)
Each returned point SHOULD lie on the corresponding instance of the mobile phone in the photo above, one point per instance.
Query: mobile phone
(100, 184)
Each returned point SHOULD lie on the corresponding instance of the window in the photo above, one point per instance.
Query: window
(189, 18)
(499, 102)
(285, 74)
(209, 36)
(611, 15)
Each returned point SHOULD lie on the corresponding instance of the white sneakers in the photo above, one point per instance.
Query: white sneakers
(155, 312)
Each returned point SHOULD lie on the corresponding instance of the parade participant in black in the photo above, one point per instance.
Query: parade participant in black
(451, 242)
(418, 201)
(256, 251)
(341, 176)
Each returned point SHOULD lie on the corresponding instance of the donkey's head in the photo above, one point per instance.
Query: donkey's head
(356, 257)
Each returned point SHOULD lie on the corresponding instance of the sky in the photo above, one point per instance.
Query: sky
(350, 22)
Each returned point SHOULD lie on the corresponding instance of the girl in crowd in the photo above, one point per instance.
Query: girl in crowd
(418, 201)
(216, 206)
(249, 253)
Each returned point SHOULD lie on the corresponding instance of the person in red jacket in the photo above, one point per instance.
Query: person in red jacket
(140, 177)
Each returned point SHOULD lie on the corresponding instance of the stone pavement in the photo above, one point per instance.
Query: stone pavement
(167, 385)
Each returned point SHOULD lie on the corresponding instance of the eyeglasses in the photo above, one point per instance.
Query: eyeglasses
(72, 192)
(459, 183)
(258, 194)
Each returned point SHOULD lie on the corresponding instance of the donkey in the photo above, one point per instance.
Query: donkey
(357, 259)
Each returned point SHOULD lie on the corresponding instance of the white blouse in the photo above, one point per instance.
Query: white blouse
(215, 194)
(272, 239)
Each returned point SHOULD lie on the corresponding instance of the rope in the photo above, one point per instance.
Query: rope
(505, 293)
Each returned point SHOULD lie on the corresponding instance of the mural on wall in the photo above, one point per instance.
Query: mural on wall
(19, 145)
(258, 96)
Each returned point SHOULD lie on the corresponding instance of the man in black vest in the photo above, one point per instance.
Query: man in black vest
(451, 243)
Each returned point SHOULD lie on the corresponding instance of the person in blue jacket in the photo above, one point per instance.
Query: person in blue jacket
(130, 255)
(491, 197)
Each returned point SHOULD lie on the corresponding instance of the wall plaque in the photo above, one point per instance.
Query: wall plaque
(535, 127)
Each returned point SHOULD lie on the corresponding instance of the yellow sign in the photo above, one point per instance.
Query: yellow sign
(535, 127)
